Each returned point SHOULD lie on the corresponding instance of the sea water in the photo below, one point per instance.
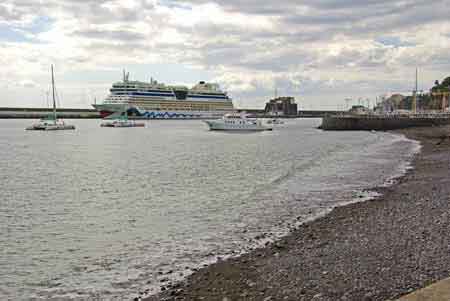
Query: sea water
(103, 213)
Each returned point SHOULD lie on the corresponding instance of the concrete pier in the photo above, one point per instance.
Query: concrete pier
(382, 122)
(37, 113)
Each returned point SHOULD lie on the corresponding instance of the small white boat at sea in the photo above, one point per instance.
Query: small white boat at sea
(275, 121)
(51, 122)
(231, 122)
(122, 122)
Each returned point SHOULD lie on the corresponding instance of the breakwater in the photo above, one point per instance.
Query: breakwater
(36, 113)
(382, 122)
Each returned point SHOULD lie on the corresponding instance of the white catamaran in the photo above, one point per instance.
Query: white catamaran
(51, 122)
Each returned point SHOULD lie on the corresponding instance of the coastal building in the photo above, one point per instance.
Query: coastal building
(360, 110)
(281, 106)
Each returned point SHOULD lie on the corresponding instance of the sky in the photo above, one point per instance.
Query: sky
(325, 53)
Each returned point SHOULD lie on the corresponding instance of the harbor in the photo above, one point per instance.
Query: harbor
(128, 208)
(225, 150)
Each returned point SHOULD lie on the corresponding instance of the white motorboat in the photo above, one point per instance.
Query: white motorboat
(231, 122)
(51, 122)
(275, 121)
(122, 122)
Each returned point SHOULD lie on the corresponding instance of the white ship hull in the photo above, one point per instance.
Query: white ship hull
(153, 100)
(47, 126)
(121, 123)
(221, 125)
(109, 109)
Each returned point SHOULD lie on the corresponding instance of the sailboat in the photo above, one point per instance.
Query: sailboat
(51, 122)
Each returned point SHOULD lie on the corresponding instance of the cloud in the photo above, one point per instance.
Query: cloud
(28, 83)
(308, 48)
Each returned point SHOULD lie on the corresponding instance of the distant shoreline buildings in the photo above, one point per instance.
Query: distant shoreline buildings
(281, 106)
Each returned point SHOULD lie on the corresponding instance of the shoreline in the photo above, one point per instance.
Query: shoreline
(371, 250)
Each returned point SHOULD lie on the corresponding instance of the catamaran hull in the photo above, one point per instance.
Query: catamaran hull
(50, 127)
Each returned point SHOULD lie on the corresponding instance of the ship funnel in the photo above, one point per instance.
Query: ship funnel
(126, 76)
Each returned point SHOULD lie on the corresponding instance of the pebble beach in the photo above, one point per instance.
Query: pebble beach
(379, 249)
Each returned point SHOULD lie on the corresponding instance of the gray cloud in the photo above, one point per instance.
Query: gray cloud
(117, 35)
(324, 44)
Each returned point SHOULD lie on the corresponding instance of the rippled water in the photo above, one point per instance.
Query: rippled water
(98, 212)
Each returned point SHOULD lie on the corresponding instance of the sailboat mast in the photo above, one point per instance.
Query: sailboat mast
(53, 93)
(414, 100)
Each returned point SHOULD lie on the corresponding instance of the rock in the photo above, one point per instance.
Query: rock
(279, 246)
(368, 296)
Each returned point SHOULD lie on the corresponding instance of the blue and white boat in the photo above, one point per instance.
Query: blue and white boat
(156, 100)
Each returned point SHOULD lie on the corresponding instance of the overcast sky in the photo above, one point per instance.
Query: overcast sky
(319, 51)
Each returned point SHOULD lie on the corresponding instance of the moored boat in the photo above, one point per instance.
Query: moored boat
(231, 122)
(121, 122)
(275, 121)
(51, 122)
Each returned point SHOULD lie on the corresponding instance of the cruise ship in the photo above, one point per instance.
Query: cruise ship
(156, 100)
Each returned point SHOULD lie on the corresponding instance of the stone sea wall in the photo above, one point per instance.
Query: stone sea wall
(382, 122)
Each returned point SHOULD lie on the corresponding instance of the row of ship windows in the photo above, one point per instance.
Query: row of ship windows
(181, 105)
(235, 122)
(168, 92)
(189, 109)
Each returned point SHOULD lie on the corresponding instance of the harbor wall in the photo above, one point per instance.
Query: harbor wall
(37, 113)
(382, 122)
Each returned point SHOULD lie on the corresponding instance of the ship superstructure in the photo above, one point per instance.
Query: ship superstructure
(157, 100)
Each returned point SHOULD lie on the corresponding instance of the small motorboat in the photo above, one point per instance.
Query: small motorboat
(122, 122)
(275, 121)
(231, 122)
